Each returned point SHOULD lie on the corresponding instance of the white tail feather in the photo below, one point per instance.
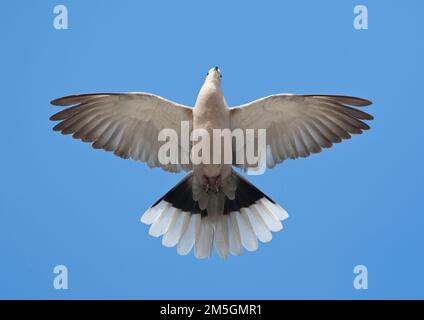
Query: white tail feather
(171, 238)
(221, 236)
(188, 238)
(204, 240)
(261, 230)
(271, 220)
(234, 235)
(275, 208)
(152, 214)
(228, 233)
(248, 237)
(160, 226)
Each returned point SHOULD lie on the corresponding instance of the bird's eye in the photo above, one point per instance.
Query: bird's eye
(207, 74)
(220, 75)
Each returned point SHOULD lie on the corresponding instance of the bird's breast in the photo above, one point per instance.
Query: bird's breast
(210, 113)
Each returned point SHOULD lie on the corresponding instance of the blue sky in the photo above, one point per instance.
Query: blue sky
(358, 203)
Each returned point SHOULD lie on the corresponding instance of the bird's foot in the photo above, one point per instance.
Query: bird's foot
(217, 184)
(212, 184)
(206, 186)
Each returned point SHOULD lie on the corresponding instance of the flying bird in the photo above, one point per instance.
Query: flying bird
(213, 205)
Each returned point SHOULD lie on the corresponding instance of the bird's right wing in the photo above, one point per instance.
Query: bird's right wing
(298, 125)
(126, 123)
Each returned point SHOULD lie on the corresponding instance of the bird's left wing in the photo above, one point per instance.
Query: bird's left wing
(298, 125)
(126, 123)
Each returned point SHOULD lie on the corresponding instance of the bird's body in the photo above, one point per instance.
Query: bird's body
(211, 112)
(212, 204)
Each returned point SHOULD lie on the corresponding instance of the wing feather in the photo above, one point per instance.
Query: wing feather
(299, 125)
(127, 124)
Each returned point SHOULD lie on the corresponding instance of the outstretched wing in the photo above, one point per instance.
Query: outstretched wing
(126, 123)
(298, 125)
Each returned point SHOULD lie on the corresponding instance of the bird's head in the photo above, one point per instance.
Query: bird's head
(214, 75)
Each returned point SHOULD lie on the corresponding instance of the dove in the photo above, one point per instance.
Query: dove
(213, 205)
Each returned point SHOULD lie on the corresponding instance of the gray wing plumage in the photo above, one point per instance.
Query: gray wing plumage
(298, 125)
(127, 124)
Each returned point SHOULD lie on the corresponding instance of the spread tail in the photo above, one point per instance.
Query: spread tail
(237, 223)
